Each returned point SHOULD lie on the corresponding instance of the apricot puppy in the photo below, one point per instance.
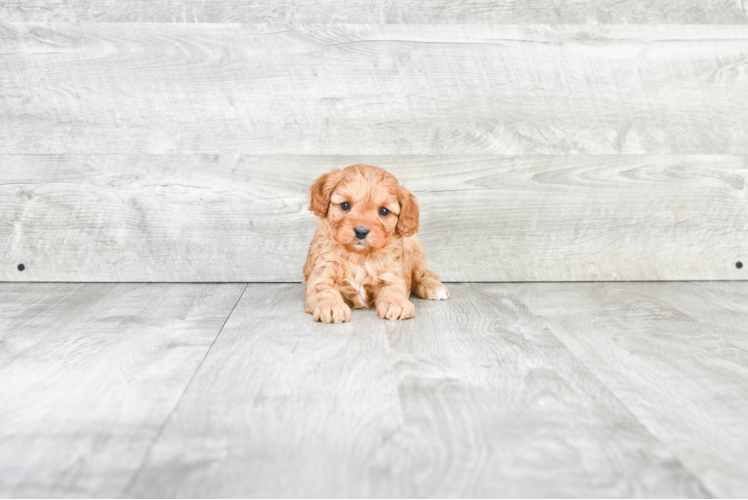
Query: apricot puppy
(365, 252)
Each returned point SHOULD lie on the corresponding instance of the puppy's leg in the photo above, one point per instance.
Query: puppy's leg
(424, 282)
(392, 302)
(323, 300)
(429, 286)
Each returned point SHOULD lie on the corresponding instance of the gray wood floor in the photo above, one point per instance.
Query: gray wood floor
(534, 389)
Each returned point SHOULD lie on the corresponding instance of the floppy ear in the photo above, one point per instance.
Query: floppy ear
(407, 223)
(321, 191)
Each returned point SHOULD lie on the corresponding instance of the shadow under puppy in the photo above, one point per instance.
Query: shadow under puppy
(365, 252)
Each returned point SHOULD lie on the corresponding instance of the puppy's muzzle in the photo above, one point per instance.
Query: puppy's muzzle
(361, 232)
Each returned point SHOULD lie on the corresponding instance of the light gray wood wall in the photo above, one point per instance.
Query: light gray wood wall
(373, 89)
(178, 146)
(381, 11)
(245, 218)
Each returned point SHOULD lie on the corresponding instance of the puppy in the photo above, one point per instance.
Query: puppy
(365, 252)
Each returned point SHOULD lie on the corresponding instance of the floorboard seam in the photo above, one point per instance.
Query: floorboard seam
(157, 437)
(677, 458)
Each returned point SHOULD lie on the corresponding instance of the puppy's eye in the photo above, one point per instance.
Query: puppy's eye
(345, 206)
(384, 212)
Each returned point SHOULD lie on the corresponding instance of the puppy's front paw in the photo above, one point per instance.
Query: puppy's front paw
(432, 290)
(332, 311)
(399, 308)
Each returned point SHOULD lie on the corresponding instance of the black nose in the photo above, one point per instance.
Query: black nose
(361, 232)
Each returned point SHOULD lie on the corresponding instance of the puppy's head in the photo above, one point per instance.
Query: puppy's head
(364, 206)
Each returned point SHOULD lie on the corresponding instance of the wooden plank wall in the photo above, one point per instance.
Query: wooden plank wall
(545, 140)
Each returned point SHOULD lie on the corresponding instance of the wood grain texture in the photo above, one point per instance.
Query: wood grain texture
(483, 218)
(675, 354)
(283, 407)
(472, 398)
(88, 375)
(372, 89)
(720, 308)
(381, 11)
(495, 406)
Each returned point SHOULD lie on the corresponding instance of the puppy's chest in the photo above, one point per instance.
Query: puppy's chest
(361, 284)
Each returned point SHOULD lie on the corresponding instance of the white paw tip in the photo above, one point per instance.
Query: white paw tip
(441, 294)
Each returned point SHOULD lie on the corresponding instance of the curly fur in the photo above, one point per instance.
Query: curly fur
(343, 271)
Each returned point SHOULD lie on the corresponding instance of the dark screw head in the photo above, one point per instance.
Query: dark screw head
(21, 267)
(739, 265)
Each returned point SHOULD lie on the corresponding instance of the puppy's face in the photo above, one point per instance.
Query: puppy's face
(364, 207)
